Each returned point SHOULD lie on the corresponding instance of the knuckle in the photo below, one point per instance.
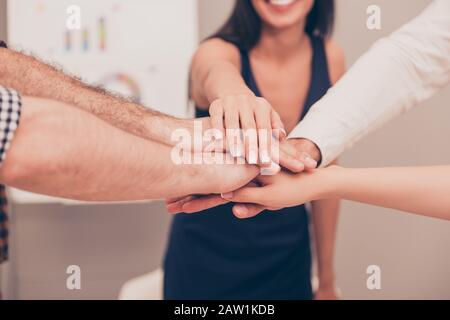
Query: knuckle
(304, 155)
(264, 104)
(215, 107)
(247, 122)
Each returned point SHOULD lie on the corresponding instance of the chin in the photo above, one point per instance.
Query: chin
(281, 14)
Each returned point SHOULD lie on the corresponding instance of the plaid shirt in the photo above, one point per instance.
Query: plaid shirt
(3, 214)
(3, 225)
(10, 105)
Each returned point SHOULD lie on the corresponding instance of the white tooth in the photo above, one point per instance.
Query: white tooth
(281, 2)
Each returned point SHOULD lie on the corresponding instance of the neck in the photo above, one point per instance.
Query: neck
(281, 44)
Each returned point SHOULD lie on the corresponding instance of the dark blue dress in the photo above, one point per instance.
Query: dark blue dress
(213, 255)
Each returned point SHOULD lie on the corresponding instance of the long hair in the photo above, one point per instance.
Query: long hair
(243, 27)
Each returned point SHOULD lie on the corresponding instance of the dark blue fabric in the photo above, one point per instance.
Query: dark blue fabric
(3, 225)
(213, 255)
(2, 44)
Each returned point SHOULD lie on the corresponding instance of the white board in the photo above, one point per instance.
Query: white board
(138, 48)
(148, 44)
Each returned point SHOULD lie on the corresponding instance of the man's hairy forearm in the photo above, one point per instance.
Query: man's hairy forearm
(61, 151)
(32, 77)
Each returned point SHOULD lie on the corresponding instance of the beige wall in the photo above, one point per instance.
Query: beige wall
(411, 251)
(3, 19)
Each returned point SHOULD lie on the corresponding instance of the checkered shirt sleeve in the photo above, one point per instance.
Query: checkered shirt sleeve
(10, 107)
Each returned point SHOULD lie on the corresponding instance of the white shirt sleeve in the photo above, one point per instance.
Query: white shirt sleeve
(397, 73)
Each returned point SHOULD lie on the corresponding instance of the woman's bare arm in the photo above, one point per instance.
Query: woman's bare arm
(325, 212)
(217, 86)
(421, 190)
(325, 216)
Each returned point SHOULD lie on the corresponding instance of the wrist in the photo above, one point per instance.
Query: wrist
(234, 93)
(327, 279)
(332, 178)
(161, 128)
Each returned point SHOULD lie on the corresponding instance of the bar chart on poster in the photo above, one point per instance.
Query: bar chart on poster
(133, 48)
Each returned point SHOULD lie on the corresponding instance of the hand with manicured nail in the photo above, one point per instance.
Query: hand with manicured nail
(285, 189)
(297, 155)
(256, 118)
(193, 204)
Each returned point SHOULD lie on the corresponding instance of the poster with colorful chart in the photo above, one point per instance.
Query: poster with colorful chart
(118, 45)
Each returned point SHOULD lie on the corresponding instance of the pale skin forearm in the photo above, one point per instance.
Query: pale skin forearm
(419, 190)
(31, 77)
(62, 151)
(215, 73)
(223, 78)
(325, 215)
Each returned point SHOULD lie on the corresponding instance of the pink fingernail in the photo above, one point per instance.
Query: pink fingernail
(252, 157)
(311, 162)
(228, 195)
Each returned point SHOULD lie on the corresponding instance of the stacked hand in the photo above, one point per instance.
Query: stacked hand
(255, 117)
(266, 192)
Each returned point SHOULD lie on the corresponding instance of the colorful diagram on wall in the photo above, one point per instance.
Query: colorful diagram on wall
(70, 37)
(124, 85)
(117, 44)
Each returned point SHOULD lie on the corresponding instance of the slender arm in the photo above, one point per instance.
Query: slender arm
(325, 216)
(216, 73)
(60, 150)
(217, 86)
(420, 190)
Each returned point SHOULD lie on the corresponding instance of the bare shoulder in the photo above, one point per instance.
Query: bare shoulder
(216, 48)
(336, 60)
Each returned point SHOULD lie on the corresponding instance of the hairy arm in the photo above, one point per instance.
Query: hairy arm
(62, 151)
(31, 77)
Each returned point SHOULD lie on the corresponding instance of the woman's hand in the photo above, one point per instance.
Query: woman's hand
(295, 155)
(283, 190)
(258, 120)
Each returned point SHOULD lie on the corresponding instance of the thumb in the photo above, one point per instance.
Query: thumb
(247, 210)
(246, 195)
